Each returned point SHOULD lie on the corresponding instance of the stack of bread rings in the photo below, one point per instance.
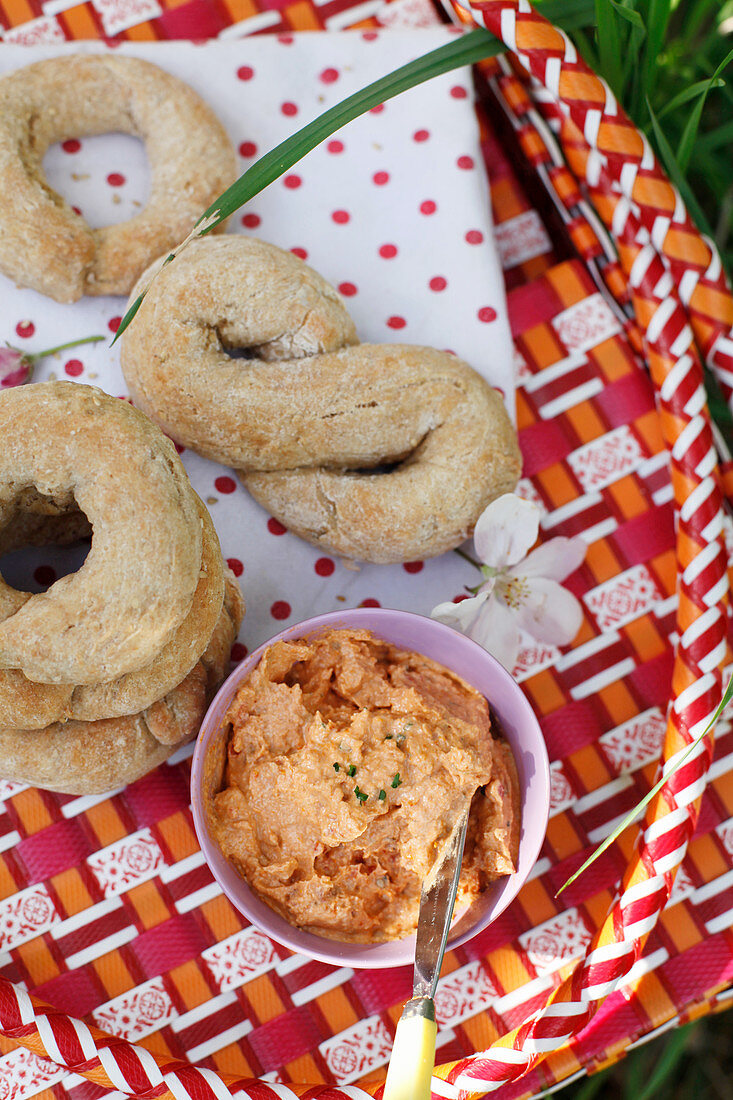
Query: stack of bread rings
(106, 673)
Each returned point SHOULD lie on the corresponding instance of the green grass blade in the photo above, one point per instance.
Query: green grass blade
(593, 1086)
(656, 29)
(644, 802)
(676, 174)
(662, 1079)
(568, 14)
(609, 46)
(687, 141)
(466, 50)
(631, 15)
(700, 87)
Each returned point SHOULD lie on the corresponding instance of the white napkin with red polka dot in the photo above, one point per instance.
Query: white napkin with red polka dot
(393, 210)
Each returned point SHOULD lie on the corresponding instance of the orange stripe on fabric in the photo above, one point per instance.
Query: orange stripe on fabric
(301, 17)
(148, 904)
(179, 836)
(18, 12)
(141, 32)
(657, 1003)
(656, 193)
(536, 902)
(581, 86)
(619, 702)
(113, 974)
(665, 570)
(507, 200)
(538, 35)
(231, 1059)
(192, 987)
(586, 422)
(509, 969)
(614, 137)
(687, 247)
(338, 1010)
(680, 927)
(589, 764)
(558, 485)
(79, 22)
(645, 638)
(72, 891)
(36, 957)
(32, 811)
(264, 999)
(713, 303)
(106, 823)
(221, 916)
(628, 497)
(544, 692)
(602, 561)
(562, 837)
(239, 9)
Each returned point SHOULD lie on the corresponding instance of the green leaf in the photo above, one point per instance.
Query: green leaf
(644, 802)
(631, 15)
(609, 46)
(693, 90)
(684, 149)
(676, 174)
(661, 1081)
(466, 50)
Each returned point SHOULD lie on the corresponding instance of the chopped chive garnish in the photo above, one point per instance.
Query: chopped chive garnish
(337, 767)
(351, 770)
(382, 795)
(396, 781)
(360, 795)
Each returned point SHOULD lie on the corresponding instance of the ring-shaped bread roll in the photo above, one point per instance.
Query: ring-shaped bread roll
(312, 418)
(44, 244)
(92, 757)
(78, 448)
(31, 705)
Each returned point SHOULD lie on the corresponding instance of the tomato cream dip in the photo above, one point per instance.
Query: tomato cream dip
(347, 764)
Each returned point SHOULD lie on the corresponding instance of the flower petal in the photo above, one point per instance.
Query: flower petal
(549, 612)
(505, 530)
(496, 630)
(459, 615)
(14, 367)
(556, 558)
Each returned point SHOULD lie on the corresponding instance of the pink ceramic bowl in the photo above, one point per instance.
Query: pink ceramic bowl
(474, 664)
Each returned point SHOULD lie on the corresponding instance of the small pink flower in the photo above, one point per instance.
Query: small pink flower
(521, 591)
(15, 367)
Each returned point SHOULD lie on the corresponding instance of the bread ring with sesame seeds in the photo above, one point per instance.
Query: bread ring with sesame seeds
(44, 243)
(377, 452)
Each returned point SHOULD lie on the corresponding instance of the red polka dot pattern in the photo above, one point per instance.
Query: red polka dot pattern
(398, 252)
(413, 566)
(225, 484)
(465, 163)
(486, 313)
(239, 652)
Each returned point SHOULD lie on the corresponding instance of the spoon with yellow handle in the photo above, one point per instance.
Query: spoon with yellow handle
(413, 1053)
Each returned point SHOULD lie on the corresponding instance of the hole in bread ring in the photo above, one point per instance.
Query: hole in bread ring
(66, 441)
(374, 451)
(93, 757)
(31, 705)
(44, 244)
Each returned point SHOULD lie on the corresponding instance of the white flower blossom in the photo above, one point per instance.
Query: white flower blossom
(519, 593)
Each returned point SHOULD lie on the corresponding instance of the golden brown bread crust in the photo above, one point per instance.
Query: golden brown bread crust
(74, 443)
(43, 243)
(313, 417)
(93, 757)
(32, 705)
